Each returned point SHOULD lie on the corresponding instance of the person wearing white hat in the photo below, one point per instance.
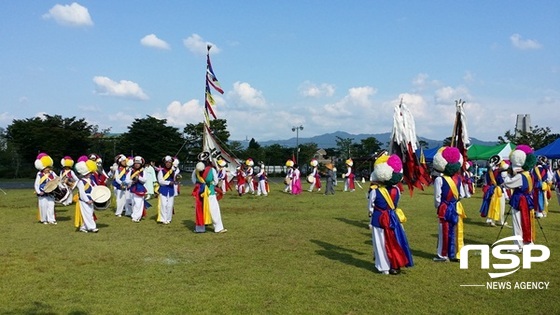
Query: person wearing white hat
(135, 179)
(249, 172)
(84, 218)
(167, 178)
(390, 243)
(262, 185)
(222, 175)
(119, 185)
(207, 208)
(314, 178)
(522, 160)
(44, 164)
(448, 190)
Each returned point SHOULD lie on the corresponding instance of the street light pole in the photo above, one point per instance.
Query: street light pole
(297, 129)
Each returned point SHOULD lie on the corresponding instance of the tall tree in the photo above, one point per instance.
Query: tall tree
(150, 138)
(254, 151)
(536, 137)
(344, 146)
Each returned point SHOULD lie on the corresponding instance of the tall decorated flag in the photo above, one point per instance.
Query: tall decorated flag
(404, 144)
(460, 136)
(211, 81)
(209, 142)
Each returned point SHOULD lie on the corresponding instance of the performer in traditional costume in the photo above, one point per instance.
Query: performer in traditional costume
(222, 175)
(296, 181)
(99, 175)
(44, 163)
(390, 244)
(289, 175)
(151, 179)
(249, 172)
(494, 198)
(167, 179)
(136, 179)
(349, 176)
(119, 185)
(519, 179)
(84, 218)
(240, 175)
(448, 190)
(68, 178)
(330, 177)
(314, 178)
(556, 183)
(262, 187)
(207, 208)
(542, 181)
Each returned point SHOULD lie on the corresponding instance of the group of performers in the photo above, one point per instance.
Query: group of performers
(130, 181)
(247, 181)
(527, 182)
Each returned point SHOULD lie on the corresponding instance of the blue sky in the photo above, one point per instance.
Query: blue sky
(326, 65)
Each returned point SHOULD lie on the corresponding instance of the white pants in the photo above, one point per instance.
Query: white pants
(46, 208)
(379, 251)
(440, 241)
(261, 188)
(250, 187)
(68, 199)
(137, 207)
(166, 206)
(128, 202)
(87, 216)
(120, 196)
(215, 213)
(517, 230)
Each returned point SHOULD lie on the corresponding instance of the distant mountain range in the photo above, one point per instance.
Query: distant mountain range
(328, 140)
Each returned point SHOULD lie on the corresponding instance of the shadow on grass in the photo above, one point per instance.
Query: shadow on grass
(189, 224)
(475, 222)
(61, 218)
(42, 308)
(343, 255)
(358, 223)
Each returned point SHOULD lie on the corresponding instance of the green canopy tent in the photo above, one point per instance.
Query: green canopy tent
(484, 152)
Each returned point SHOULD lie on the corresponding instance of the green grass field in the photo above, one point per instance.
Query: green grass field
(283, 254)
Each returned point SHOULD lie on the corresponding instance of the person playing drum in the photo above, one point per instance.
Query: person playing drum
(68, 179)
(44, 164)
(84, 218)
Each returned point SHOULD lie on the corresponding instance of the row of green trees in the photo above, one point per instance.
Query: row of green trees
(149, 137)
(152, 138)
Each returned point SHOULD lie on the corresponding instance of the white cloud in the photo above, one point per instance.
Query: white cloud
(153, 41)
(198, 46)
(524, 44)
(422, 82)
(69, 15)
(247, 97)
(123, 88)
(309, 89)
(351, 113)
(179, 115)
(448, 94)
(6, 118)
